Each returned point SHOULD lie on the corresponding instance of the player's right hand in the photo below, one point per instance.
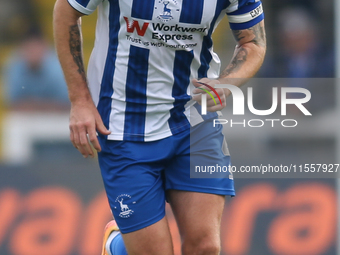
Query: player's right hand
(85, 121)
(211, 102)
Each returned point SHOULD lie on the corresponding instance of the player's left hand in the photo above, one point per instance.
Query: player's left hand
(211, 106)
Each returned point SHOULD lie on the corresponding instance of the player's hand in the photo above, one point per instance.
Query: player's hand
(211, 105)
(84, 122)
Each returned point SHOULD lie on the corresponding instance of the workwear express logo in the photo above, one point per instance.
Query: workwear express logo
(239, 104)
(133, 25)
(163, 32)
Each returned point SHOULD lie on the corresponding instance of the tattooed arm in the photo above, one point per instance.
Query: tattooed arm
(68, 42)
(84, 117)
(248, 56)
(247, 59)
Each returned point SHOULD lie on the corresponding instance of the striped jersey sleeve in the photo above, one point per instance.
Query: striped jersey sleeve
(85, 6)
(243, 14)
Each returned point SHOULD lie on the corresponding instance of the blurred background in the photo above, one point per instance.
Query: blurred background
(52, 200)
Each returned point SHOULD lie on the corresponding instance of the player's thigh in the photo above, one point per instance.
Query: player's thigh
(198, 216)
(152, 240)
(133, 179)
(134, 185)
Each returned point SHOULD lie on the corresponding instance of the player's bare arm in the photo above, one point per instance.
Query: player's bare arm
(246, 61)
(76, 49)
(249, 54)
(84, 117)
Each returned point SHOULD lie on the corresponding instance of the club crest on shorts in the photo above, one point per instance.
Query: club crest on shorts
(166, 9)
(123, 201)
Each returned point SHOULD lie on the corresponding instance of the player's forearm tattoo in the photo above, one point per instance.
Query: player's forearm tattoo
(236, 62)
(75, 48)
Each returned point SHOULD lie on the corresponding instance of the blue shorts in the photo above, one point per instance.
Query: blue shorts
(136, 175)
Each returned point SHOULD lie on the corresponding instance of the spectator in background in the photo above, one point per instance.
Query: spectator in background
(300, 52)
(16, 17)
(33, 77)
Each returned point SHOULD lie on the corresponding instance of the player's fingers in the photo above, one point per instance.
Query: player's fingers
(101, 127)
(215, 103)
(85, 147)
(211, 103)
(75, 136)
(214, 108)
(199, 91)
(194, 81)
(200, 86)
(198, 83)
(217, 98)
(204, 85)
(218, 104)
(72, 137)
(197, 98)
(92, 136)
(212, 97)
(82, 143)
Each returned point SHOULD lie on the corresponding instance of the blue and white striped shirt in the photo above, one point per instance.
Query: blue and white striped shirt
(147, 52)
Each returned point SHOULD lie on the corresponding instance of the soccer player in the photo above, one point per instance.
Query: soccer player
(150, 62)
